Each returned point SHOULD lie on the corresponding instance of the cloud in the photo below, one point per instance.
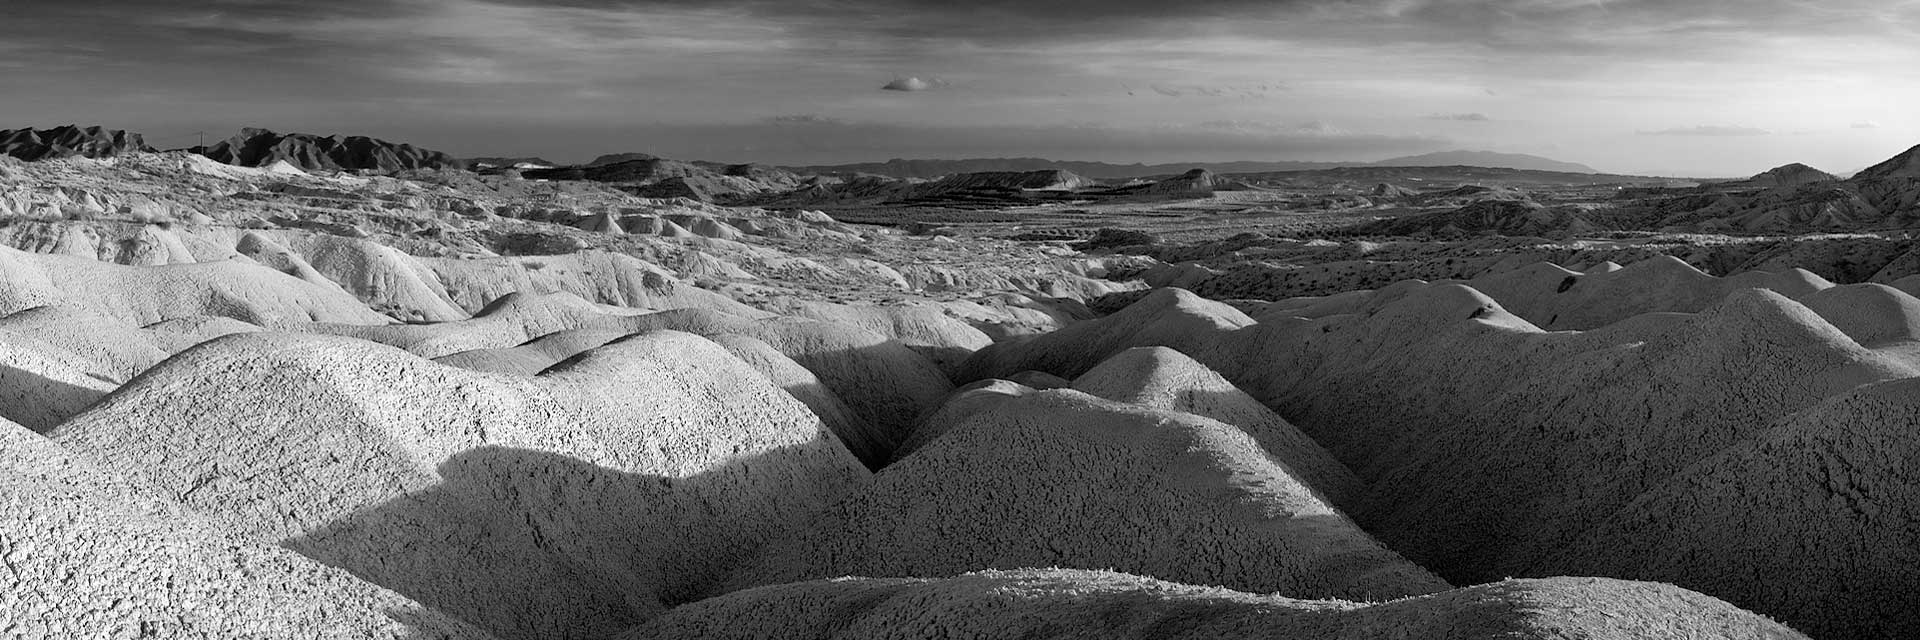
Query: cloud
(1316, 128)
(1710, 131)
(1461, 117)
(1220, 91)
(1866, 125)
(914, 83)
(804, 119)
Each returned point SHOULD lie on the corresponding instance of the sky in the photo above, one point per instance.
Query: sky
(1700, 88)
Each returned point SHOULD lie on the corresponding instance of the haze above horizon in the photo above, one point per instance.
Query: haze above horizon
(1715, 88)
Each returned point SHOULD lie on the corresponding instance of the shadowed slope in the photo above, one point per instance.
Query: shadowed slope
(1161, 378)
(1166, 317)
(1060, 478)
(1815, 521)
(884, 384)
(1478, 474)
(536, 356)
(405, 472)
(1044, 604)
(1490, 444)
(1555, 298)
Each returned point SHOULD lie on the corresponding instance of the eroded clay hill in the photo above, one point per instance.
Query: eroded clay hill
(1489, 445)
(285, 402)
(512, 502)
(90, 555)
(1060, 478)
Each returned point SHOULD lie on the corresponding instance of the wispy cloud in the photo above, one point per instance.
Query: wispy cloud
(915, 83)
(1219, 91)
(1865, 125)
(1721, 131)
(1461, 117)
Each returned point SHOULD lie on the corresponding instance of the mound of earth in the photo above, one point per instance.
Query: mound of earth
(1554, 298)
(1791, 174)
(572, 504)
(1501, 217)
(1884, 196)
(1162, 378)
(69, 141)
(945, 340)
(653, 177)
(551, 349)
(42, 384)
(1061, 603)
(1165, 317)
(148, 294)
(972, 399)
(1905, 165)
(1553, 430)
(1390, 192)
(1197, 183)
(1043, 180)
(1812, 520)
(1488, 443)
(88, 554)
(499, 162)
(535, 355)
(1062, 479)
(884, 383)
(1467, 194)
(614, 158)
(1575, 391)
(254, 147)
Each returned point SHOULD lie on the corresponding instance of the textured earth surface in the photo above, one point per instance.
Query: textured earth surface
(294, 401)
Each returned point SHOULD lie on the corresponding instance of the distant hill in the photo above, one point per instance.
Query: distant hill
(69, 141)
(930, 169)
(254, 147)
(1905, 165)
(1883, 196)
(1419, 178)
(1782, 176)
(502, 162)
(899, 168)
(654, 177)
(616, 158)
(1485, 159)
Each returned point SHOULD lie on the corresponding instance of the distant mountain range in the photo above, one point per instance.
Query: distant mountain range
(936, 168)
(68, 141)
(255, 147)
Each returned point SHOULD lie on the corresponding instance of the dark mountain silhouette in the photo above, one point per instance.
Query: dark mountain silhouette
(1905, 165)
(260, 147)
(67, 141)
(1785, 175)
